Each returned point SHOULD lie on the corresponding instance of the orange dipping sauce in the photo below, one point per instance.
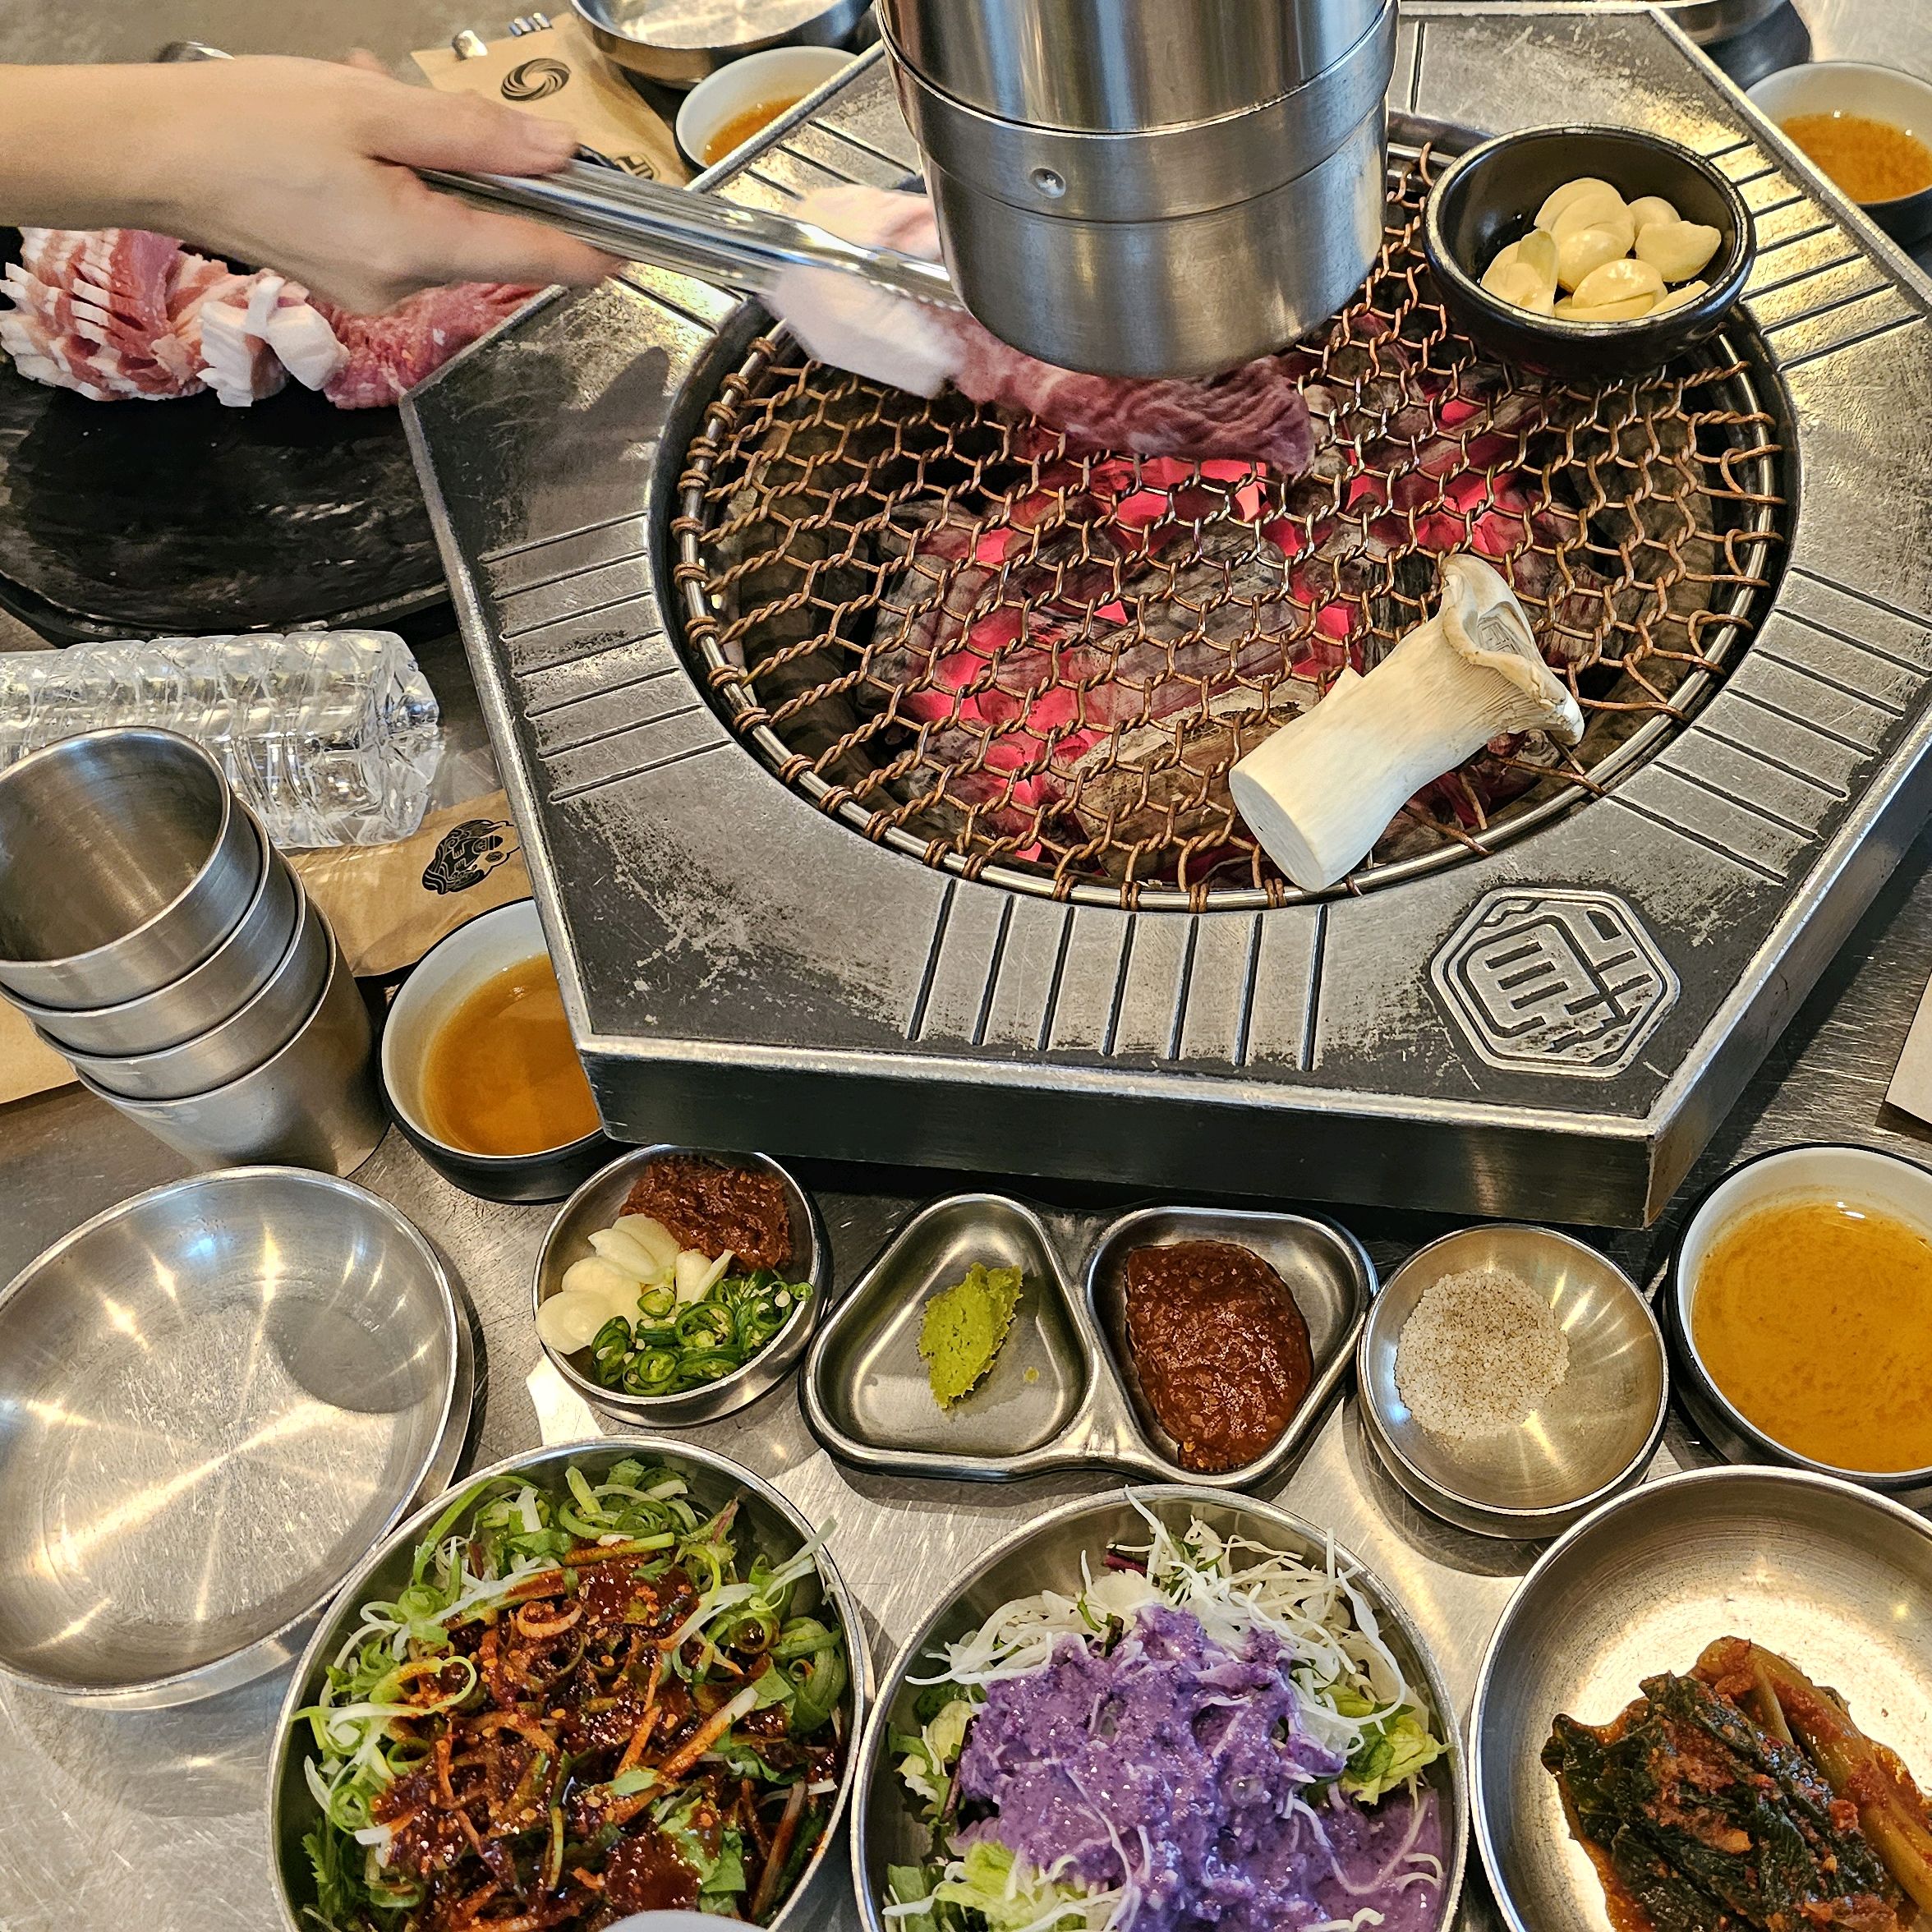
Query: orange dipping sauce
(501, 1076)
(1870, 160)
(743, 125)
(1814, 1318)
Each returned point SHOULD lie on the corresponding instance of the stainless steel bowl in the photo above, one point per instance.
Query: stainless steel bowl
(1817, 1170)
(314, 1104)
(679, 42)
(1595, 1434)
(213, 1398)
(1835, 1578)
(596, 1204)
(224, 1052)
(230, 976)
(776, 1529)
(125, 861)
(1047, 1555)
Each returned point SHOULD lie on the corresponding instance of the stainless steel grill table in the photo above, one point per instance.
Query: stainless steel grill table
(157, 1819)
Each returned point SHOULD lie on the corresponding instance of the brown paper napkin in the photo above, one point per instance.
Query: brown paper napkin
(1912, 1079)
(390, 903)
(559, 73)
(26, 1067)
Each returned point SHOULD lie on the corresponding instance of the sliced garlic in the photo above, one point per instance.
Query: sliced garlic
(1559, 198)
(1647, 209)
(1620, 281)
(1580, 251)
(1678, 297)
(1616, 311)
(568, 1321)
(698, 1274)
(1677, 249)
(652, 1236)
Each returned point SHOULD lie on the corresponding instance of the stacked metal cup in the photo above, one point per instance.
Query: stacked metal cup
(155, 936)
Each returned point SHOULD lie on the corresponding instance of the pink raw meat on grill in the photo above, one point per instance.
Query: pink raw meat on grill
(1255, 413)
(124, 312)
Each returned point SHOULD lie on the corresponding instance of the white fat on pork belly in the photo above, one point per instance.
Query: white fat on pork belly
(1320, 791)
(257, 333)
(1256, 413)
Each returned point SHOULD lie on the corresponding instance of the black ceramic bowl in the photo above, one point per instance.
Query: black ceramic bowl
(447, 973)
(1489, 197)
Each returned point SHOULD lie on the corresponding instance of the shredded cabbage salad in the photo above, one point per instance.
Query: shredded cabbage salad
(1364, 1729)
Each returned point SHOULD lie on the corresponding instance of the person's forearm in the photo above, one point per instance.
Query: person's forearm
(79, 146)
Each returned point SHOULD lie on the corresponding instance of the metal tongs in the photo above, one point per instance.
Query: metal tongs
(692, 233)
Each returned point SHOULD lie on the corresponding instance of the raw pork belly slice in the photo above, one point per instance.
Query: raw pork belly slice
(1255, 414)
(388, 355)
(124, 312)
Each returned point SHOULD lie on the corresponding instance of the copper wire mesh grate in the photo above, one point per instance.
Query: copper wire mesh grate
(1036, 663)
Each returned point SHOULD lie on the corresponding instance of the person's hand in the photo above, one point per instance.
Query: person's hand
(305, 168)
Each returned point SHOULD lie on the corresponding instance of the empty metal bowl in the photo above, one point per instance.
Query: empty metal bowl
(225, 981)
(1864, 1176)
(213, 1398)
(224, 1052)
(767, 1524)
(1594, 1434)
(596, 1204)
(125, 861)
(1488, 198)
(1063, 1551)
(314, 1104)
(1832, 1577)
(679, 42)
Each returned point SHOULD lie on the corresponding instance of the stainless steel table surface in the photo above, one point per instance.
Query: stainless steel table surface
(156, 1819)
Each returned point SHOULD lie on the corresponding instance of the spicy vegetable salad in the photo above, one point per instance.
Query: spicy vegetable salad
(1184, 1743)
(584, 1704)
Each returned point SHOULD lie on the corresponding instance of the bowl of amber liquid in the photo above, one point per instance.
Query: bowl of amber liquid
(1801, 1313)
(480, 1069)
(1868, 129)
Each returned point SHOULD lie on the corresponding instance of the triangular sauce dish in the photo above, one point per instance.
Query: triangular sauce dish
(867, 1393)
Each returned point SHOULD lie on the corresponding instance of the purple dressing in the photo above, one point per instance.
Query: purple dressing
(1179, 1763)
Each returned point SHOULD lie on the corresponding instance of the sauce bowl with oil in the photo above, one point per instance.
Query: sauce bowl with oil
(1816, 1261)
(479, 1068)
(1868, 129)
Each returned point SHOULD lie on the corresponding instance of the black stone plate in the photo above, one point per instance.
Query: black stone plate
(133, 518)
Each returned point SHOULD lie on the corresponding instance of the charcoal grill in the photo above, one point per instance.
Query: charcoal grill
(829, 868)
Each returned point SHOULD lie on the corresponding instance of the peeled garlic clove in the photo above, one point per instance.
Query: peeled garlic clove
(1618, 280)
(1678, 297)
(1537, 251)
(1595, 210)
(1582, 250)
(568, 1321)
(621, 1252)
(1677, 249)
(596, 1276)
(1617, 311)
(1499, 270)
(1559, 198)
(1520, 287)
(1647, 209)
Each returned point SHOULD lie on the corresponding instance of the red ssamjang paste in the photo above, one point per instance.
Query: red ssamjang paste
(1220, 1346)
(716, 1209)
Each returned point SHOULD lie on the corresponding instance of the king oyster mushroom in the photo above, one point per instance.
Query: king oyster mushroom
(1317, 793)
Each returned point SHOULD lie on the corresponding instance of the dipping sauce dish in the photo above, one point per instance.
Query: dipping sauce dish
(1866, 127)
(476, 1058)
(1800, 1306)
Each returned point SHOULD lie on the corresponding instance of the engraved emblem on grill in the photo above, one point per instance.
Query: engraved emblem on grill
(1555, 982)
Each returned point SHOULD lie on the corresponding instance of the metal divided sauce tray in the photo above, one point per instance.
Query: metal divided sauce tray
(1062, 1395)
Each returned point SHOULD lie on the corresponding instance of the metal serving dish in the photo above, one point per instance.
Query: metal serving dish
(203, 996)
(1835, 1578)
(1047, 1555)
(1596, 1433)
(596, 1204)
(777, 1527)
(867, 1399)
(1816, 1170)
(125, 861)
(679, 42)
(213, 1398)
(234, 1047)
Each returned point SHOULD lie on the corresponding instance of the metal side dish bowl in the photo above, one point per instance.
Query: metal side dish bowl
(213, 1398)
